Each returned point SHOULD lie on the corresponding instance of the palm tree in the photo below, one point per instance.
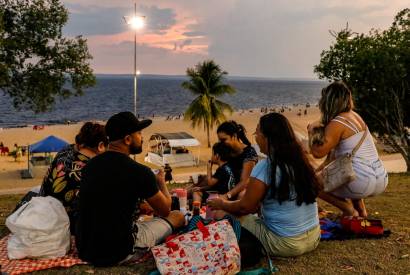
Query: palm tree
(206, 82)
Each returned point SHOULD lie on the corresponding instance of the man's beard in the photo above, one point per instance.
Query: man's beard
(135, 149)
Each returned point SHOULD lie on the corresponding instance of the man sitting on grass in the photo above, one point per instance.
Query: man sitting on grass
(112, 188)
(223, 180)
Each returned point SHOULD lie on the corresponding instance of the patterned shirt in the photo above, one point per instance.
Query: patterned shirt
(62, 180)
(236, 163)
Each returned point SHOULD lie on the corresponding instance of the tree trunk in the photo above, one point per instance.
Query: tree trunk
(402, 148)
(207, 134)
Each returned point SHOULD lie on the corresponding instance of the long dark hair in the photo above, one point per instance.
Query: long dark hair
(91, 134)
(231, 128)
(285, 152)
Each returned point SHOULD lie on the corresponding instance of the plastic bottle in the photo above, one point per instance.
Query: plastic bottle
(196, 206)
(175, 202)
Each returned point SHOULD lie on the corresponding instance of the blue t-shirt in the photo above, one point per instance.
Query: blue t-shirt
(286, 219)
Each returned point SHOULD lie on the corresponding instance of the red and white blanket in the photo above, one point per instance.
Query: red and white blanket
(12, 267)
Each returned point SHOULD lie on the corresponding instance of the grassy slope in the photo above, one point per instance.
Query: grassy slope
(385, 256)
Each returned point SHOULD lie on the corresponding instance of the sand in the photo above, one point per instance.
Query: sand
(11, 182)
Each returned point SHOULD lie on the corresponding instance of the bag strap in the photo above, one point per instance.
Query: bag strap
(203, 229)
(360, 142)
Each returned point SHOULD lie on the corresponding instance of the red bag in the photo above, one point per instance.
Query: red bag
(359, 225)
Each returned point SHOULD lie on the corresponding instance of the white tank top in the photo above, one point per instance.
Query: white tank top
(367, 151)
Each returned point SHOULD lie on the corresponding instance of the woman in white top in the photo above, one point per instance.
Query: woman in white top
(343, 130)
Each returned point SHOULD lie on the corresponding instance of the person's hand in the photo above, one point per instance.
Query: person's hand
(224, 196)
(196, 189)
(209, 165)
(160, 176)
(146, 209)
(216, 203)
(314, 125)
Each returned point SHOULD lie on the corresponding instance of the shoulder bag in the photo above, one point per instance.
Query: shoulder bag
(340, 171)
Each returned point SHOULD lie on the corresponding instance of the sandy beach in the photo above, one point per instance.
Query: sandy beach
(11, 182)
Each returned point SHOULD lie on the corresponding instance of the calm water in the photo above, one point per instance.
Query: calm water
(160, 96)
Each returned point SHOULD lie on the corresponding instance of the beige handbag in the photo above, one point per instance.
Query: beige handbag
(340, 171)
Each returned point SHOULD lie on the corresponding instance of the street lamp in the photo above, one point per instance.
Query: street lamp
(136, 22)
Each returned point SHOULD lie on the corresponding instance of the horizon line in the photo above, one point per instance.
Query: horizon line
(228, 76)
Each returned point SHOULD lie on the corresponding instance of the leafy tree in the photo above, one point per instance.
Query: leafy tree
(376, 66)
(206, 82)
(37, 64)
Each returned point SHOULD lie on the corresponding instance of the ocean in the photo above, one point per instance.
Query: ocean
(161, 96)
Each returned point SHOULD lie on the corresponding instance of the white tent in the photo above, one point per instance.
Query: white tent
(171, 148)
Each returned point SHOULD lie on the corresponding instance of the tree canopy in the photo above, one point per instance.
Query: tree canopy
(376, 66)
(206, 82)
(37, 64)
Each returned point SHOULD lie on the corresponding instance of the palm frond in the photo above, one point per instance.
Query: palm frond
(222, 89)
(206, 80)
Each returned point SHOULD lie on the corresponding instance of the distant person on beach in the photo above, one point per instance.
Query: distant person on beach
(112, 188)
(343, 129)
(168, 173)
(284, 186)
(223, 180)
(243, 158)
(17, 152)
(63, 178)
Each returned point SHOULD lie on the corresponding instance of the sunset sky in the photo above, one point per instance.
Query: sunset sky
(263, 38)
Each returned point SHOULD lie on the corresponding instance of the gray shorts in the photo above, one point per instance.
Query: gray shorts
(151, 232)
(148, 234)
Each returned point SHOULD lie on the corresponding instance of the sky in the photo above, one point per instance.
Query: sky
(256, 38)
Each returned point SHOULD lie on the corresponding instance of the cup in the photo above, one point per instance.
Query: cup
(195, 178)
(182, 196)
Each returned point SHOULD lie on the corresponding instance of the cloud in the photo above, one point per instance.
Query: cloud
(99, 20)
(185, 43)
(118, 58)
(278, 38)
(194, 33)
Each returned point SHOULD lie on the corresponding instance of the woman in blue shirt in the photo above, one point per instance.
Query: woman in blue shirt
(285, 186)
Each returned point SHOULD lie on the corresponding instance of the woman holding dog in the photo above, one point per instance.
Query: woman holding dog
(284, 186)
(344, 129)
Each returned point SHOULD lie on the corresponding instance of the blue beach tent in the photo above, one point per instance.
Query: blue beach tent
(48, 145)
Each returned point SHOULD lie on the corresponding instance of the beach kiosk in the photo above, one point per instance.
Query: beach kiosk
(172, 148)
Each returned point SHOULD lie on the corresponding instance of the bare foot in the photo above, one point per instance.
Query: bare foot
(360, 207)
(350, 212)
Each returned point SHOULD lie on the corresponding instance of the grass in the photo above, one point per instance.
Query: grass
(384, 256)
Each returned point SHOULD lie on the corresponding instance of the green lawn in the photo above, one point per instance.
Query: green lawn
(384, 256)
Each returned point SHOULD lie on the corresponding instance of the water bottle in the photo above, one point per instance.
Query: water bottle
(174, 202)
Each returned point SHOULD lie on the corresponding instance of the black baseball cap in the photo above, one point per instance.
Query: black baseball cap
(124, 123)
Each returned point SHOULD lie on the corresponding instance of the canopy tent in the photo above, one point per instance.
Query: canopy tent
(171, 148)
(48, 145)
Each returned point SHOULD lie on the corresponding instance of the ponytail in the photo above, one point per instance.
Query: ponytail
(232, 128)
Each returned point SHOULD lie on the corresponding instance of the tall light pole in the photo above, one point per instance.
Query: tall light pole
(136, 22)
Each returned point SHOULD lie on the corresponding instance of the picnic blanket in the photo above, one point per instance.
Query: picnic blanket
(12, 267)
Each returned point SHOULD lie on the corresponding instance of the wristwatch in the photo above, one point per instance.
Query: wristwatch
(229, 195)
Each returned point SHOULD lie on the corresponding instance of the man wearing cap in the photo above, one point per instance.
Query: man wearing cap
(112, 188)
